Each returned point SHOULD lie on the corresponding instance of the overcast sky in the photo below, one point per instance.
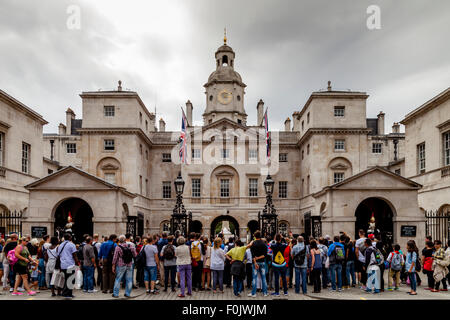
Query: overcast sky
(164, 50)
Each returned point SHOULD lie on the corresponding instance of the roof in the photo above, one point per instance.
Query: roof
(433, 102)
(21, 107)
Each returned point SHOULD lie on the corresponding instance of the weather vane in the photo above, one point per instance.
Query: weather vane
(224, 35)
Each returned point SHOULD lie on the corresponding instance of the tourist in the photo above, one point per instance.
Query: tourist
(287, 257)
(20, 267)
(169, 264)
(316, 266)
(106, 256)
(160, 244)
(350, 256)
(183, 254)
(248, 268)
(237, 270)
(122, 266)
(43, 245)
(380, 246)
(197, 263)
(67, 253)
(299, 256)
(372, 268)
(217, 264)
(279, 265)
(151, 265)
(292, 243)
(206, 273)
(395, 263)
(8, 270)
(427, 263)
(259, 268)
(2, 244)
(343, 239)
(227, 270)
(336, 254)
(360, 249)
(410, 265)
(440, 264)
(50, 260)
(89, 266)
(97, 245)
(324, 252)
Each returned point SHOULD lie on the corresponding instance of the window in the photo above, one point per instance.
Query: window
(2, 147)
(108, 111)
(140, 117)
(195, 188)
(225, 153)
(338, 177)
(282, 189)
(140, 148)
(165, 226)
(398, 171)
(339, 144)
(25, 157)
(71, 148)
(110, 178)
(146, 125)
(146, 154)
(282, 157)
(252, 154)
(303, 124)
(195, 153)
(253, 187)
(446, 148)
(303, 154)
(239, 121)
(339, 111)
(140, 184)
(147, 189)
(376, 147)
(307, 118)
(421, 157)
(283, 228)
(307, 149)
(109, 144)
(210, 98)
(167, 189)
(303, 187)
(166, 157)
(308, 182)
(224, 188)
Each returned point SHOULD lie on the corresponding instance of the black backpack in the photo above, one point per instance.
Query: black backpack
(80, 255)
(169, 252)
(127, 255)
(299, 258)
(141, 258)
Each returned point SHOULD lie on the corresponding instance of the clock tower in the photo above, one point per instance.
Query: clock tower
(225, 90)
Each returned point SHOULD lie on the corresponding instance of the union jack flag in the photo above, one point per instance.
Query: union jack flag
(183, 138)
(266, 126)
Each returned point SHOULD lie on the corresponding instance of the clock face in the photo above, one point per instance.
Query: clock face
(224, 97)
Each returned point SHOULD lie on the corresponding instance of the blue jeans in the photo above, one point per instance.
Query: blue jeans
(280, 271)
(120, 273)
(41, 277)
(88, 278)
(300, 272)
(262, 271)
(350, 271)
(325, 276)
(238, 285)
(336, 268)
(217, 279)
(412, 280)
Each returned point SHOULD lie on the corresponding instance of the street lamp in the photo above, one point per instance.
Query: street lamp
(268, 221)
(180, 221)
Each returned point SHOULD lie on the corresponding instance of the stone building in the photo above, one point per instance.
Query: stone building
(333, 167)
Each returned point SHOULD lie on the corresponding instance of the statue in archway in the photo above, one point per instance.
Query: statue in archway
(69, 225)
(372, 224)
(226, 230)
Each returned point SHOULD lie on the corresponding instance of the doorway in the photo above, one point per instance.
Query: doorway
(81, 214)
(219, 224)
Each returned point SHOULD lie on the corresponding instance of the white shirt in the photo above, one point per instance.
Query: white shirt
(361, 256)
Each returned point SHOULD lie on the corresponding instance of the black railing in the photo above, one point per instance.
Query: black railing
(438, 225)
(10, 222)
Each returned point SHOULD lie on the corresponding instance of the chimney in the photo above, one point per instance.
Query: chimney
(189, 112)
(69, 116)
(260, 112)
(61, 129)
(396, 127)
(162, 125)
(52, 145)
(329, 85)
(287, 124)
(381, 123)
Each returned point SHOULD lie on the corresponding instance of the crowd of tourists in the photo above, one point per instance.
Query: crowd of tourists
(185, 265)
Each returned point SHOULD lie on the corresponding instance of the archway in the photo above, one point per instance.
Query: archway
(224, 221)
(196, 226)
(383, 213)
(252, 226)
(81, 214)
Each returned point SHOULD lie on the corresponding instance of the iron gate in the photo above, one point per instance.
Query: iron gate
(131, 226)
(10, 222)
(313, 226)
(438, 224)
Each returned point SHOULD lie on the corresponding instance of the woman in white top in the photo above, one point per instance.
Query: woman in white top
(217, 264)
(50, 256)
(206, 255)
(183, 254)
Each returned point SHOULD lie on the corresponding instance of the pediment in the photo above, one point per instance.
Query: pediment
(225, 173)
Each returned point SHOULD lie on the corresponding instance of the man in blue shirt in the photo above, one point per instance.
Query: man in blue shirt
(161, 243)
(336, 254)
(105, 256)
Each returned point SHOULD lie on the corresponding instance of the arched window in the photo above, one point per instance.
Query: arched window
(225, 61)
(283, 228)
(165, 226)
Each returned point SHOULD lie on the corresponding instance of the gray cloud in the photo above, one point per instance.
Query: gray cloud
(165, 52)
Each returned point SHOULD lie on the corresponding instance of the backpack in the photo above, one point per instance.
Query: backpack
(195, 252)
(378, 257)
(141, 258)
(396, 262)
(169, 252)
(127, 255)
(279, 258)
(362, 248)
(80, 255)
(299, 258)
(418, 266)
(339, 254)
(12, 259)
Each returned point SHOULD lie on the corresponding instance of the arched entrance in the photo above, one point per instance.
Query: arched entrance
(81, 214)
(383, 213)
(196, 226)
(224, 221)
(252, 226)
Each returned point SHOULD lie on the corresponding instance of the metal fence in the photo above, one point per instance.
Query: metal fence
(10, 221)
(438, 224)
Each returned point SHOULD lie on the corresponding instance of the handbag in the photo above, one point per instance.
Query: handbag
(58, 279)
(78, 278)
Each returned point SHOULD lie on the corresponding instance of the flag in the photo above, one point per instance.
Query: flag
(266, 126)
(183, 138)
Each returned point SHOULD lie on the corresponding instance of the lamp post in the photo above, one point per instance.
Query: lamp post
(268, 221)
(180, 221)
